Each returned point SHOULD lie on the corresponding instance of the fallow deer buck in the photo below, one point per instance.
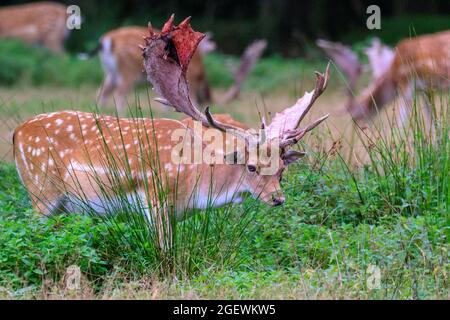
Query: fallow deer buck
(41, 23)
(121, 56)
(420, 63)
(76, 161)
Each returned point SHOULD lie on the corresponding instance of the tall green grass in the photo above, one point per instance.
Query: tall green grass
(411, 163)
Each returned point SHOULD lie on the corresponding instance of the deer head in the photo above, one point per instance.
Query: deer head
(166, 59)
(380, 58)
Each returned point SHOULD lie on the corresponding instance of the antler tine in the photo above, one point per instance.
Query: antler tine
(151, 32)
(321, 85)
(316, 123)
(293, 137)
(168, 26)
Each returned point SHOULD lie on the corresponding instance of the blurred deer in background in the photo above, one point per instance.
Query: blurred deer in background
(40, 23)
(62, 157)
(420, 63)
(121, 56)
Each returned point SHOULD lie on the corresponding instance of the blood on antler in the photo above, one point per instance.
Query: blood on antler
(166, 58)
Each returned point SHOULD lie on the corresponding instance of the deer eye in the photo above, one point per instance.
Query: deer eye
(251, 168)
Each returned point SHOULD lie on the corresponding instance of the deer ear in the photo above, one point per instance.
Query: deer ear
(292, 156)
(235, 157)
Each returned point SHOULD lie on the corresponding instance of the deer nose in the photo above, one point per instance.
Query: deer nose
(277, 201)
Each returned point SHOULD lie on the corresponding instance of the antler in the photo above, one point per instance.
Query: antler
(249, 58)
(345, 59)
(166, 58)
(284, 124)
(380, 57)
(207, 45)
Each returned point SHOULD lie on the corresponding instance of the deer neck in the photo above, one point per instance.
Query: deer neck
(213, 186)
(376, 96)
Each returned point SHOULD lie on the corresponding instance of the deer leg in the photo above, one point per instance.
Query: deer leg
(47, 201)
(106, 89)
(121, 91)
(428, 108)
(405, 105)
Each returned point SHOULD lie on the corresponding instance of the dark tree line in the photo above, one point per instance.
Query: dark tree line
(289, 25)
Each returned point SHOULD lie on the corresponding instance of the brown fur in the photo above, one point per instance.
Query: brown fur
(424, 59)
(41, 23)
(49, 149)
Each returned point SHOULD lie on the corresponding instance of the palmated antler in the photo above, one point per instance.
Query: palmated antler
(166, 58)
(249, 59)
(207, 45)
(380, 57)
(284, 125)
(344, 58)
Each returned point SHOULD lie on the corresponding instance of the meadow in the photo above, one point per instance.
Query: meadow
(365, 217)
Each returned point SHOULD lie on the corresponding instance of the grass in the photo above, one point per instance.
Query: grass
(20, 64)
(336, 231)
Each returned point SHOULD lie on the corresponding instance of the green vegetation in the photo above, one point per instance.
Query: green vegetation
(22, 65)
(336, 229)
(269, 73)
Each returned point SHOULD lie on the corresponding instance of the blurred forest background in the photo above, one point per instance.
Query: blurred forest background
(290, 26)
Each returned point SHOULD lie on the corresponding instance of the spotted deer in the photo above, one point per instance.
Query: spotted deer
(66, 160)
(40, 23)
(121, 56)
(420, 63)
